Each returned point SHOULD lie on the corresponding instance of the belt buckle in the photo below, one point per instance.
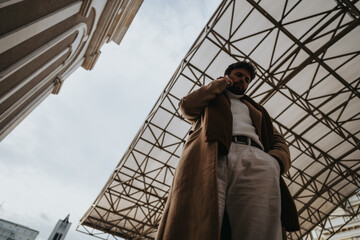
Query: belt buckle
(249, 141)
(236, 139)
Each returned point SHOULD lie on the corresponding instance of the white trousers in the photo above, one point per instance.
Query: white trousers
(249, 191)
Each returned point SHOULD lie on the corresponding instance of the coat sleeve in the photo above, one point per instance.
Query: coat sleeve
(280, 151)
(194, 103)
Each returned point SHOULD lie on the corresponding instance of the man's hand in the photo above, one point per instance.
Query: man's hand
(229, 82)
(193, 104)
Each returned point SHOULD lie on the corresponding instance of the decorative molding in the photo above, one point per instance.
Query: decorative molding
(126, 16)
(23, 113)
(57, 85)
(20, 35)
(85, 8)
(6, 3)
(91, 60)
(73, 66)
(28, 94)
(32, 76)
(23, 99)
(115, 19)
(81, 28)
(107, 17)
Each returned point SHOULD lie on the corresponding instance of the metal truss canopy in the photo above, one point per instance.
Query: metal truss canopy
(307, 55)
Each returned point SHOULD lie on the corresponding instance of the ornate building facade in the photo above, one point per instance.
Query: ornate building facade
(43, 42)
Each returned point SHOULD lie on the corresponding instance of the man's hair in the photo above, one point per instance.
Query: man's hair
(242, 64)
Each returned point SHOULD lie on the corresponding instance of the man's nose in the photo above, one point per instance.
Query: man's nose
(242, 78)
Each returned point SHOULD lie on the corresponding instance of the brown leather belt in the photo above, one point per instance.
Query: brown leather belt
(245, 140)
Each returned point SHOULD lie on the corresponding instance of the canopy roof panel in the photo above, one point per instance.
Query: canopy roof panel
(307, 55)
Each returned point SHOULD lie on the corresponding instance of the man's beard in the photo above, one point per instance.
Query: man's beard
(237, 90)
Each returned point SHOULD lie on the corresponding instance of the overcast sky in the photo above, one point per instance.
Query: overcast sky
(58, 159)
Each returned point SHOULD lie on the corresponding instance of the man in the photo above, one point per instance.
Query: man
(227, 184)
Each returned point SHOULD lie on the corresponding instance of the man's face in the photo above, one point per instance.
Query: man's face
(241, 79)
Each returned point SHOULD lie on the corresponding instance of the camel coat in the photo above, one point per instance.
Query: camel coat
(191, 211)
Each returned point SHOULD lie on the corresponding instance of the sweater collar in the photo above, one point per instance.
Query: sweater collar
(232, 95)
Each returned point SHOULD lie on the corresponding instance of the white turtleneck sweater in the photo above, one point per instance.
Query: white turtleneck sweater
(242, 123)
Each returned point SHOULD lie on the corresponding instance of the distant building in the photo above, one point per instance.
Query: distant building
(61, 229)
(14, 231)
(43, 42)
